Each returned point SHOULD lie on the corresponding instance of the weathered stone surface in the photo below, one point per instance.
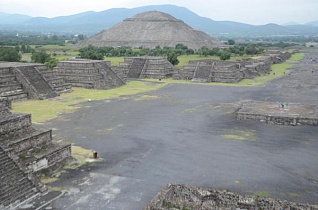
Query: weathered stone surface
(20, 81)
(24, 151)
(150, 29)
(229, 71)
(274, 113)
(93, 74)
(146, 67)
(189, 197)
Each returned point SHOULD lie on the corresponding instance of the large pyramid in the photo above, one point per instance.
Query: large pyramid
(150, 29)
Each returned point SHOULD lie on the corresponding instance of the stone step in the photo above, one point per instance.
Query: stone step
(7, 78)
(28, 194)
(52, 154)
(28, 140)
(5, 71)
(10, 170)
(10, 176)
(14, 123)
(63, 88)
(20, 191)
(74, 70)
(15, 95)
(10, 87)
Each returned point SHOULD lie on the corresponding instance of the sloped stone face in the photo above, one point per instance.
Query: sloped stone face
(149, 30)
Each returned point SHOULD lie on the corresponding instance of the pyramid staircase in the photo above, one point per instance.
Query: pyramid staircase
(10, 88)
(25, 152)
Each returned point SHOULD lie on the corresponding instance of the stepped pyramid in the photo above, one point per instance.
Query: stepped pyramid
(150, 29)
(146, 67)
(25, 152)
(19, 81)
(93, 74)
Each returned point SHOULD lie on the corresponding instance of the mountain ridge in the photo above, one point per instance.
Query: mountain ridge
(91, 22)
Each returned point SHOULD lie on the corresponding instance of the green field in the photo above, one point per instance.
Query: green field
(115, 60)
(43, 110)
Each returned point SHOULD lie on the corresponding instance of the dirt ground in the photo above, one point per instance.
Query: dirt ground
(187, 134)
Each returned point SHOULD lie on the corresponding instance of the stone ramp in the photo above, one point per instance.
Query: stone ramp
(146, 67)
(110, 78)
(136, 68)
(15, 184)
(34, 82)
(203, 73)
(58, 83)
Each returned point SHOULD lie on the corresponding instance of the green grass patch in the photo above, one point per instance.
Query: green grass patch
(264, 194)
(43, 110)
(82, 157)
(47, 180)
(115, 60)
(240, 135)
(234, 137)
(294, 195)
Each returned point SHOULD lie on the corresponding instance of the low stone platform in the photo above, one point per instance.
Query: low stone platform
(188, 197)
(274, 113)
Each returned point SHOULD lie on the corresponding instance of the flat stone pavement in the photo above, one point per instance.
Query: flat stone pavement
(186, 134)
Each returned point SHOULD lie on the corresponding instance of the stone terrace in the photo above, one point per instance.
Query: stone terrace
(146, 67)
(93, 74)
(20, 81)
(227, 71)
(274, 113)
(24, 148)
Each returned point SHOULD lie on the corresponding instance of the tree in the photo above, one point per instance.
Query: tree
(225, 55)
(173, 58)
(51, 63)
(40, 57)
(231, 42)
(9, 54)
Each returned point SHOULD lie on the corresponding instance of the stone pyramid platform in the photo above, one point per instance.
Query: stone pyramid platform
(25, 152)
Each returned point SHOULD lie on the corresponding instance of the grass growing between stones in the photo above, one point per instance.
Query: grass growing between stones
(82, 156)
(43, 110)
(264, 194)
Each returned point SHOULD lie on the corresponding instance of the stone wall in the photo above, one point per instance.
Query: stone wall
(146, 67)
(189, 197)
(227, 71)
(25, 152)
(15, 184)
(92, 74)
(20, 81)
(270, 112)
(10, 88)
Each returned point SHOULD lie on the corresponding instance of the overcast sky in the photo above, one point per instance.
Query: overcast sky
(255, 12)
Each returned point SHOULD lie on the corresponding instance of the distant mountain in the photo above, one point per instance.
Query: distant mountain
(12, 19)
(313, 23)
(91, 22)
